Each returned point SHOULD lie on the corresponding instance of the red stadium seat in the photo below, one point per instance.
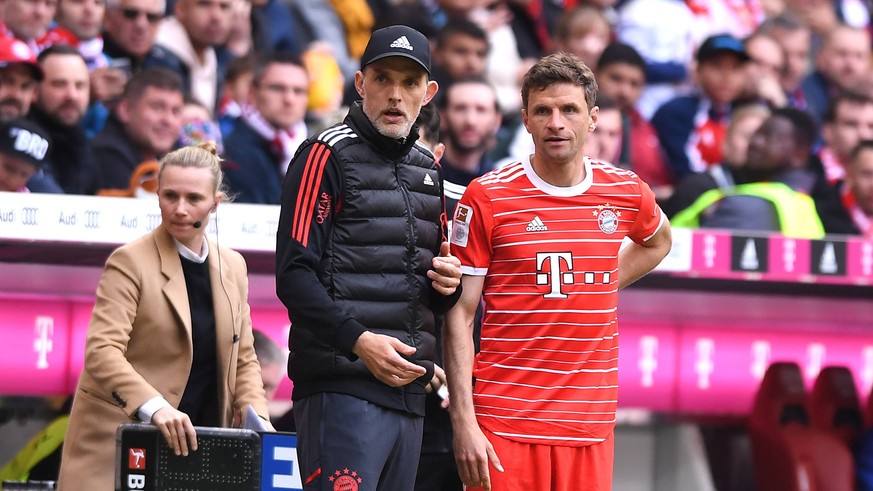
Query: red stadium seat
(834, 406)
(788, 454)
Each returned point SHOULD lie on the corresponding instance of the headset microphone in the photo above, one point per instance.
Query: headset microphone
(199, 223)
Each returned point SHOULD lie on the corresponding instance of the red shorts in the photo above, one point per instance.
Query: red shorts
(529, 467)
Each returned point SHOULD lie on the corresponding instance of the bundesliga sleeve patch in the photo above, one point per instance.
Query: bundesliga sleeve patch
(461, 225)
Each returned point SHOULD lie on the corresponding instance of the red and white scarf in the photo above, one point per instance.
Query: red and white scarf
(834, 170)
(861, 220)
(283, 142)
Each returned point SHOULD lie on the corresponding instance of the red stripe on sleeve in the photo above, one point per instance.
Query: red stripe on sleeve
(299, 216)
(308, 192)
(300, 191)
(320, 162)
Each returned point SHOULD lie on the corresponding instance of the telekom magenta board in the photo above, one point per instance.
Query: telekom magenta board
(777, 258)
(34, 354)
(664, 366)
(717, 369)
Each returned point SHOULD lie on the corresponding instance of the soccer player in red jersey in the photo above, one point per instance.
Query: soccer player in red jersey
(541, 240)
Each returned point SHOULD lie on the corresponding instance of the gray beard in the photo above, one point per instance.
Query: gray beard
(393, 131)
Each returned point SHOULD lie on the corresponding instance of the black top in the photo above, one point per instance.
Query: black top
(362, 217)
(115, 156)
(200, 400)
(69, 159)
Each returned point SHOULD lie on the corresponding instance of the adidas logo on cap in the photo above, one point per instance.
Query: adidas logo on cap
(401, 42)
(397, 40)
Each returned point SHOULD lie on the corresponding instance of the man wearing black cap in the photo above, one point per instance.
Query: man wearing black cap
(23, 150)
(362, 266)
(691, 128)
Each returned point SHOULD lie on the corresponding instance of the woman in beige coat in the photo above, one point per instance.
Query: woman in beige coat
(170, 338)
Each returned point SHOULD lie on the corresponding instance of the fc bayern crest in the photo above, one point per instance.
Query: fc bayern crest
(345, 480)
(607, 218)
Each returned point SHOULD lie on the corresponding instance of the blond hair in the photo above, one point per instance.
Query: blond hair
(203, 156)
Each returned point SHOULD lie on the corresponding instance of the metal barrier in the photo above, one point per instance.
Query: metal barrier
(226, 459)
(28, 485)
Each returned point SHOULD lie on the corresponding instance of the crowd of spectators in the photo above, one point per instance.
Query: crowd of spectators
(745, 114)
(117, 84)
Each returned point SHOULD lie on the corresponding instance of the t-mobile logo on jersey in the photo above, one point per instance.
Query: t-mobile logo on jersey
(553, 276)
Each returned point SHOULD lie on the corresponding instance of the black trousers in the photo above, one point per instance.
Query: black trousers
(438, 472)
(346, 443)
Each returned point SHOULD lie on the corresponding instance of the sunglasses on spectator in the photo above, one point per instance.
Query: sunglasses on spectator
(133, 14)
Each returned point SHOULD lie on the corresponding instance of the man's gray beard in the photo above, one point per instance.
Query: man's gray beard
(393, 131)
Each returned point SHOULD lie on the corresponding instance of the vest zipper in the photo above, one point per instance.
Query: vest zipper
(410, 250)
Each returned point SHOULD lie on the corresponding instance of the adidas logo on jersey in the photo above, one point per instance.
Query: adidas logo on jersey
(401, 42)
(427, 180)
(536, 225)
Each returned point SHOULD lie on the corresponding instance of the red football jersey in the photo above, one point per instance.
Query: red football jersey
(547, 371)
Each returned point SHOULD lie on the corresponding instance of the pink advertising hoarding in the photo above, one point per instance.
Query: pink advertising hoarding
(664, 366)
(646, 367)
(35, 349)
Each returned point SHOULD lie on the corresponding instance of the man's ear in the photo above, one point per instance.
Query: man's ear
(438, 150)
(359, 83)
(432, 88)
(593, 114)
(123, 111)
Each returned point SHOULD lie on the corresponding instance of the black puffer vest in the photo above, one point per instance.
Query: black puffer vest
(385, 234)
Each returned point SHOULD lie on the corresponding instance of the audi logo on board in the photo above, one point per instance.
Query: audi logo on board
(92, 219)
(29, 215)
(152, 221)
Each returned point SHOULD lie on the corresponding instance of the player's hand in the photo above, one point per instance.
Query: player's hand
(439, 382)
(382, 353)
(177, 429)
(446, 273)
(473, 453)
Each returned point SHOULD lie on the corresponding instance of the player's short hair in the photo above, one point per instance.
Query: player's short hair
(559, 68)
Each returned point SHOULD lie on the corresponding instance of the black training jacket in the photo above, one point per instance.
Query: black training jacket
(362, 218)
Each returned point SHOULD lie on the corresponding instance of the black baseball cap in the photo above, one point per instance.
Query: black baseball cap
(397, 40)
(25, 140)
(721, 43)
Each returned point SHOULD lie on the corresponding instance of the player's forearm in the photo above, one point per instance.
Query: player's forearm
(637, 260)
(458, 353)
